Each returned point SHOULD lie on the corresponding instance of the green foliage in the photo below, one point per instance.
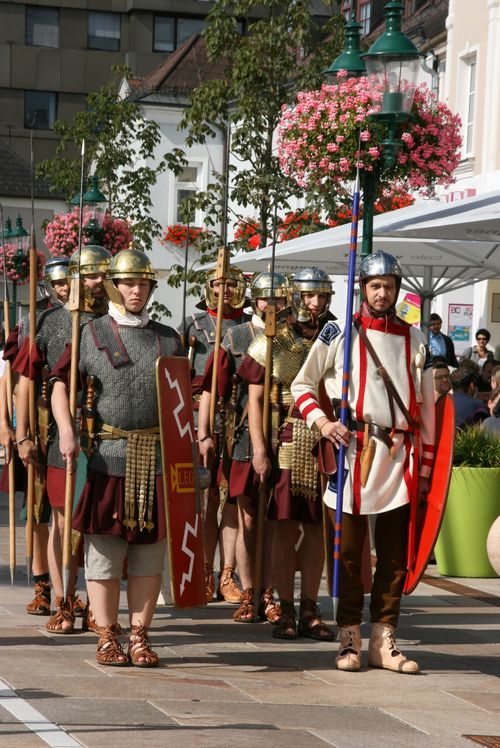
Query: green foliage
(283, 51)
(476, 447)
(120, 146)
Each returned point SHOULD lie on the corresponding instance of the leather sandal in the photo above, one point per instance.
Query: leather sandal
(109, 650)
(311, 624)
(63, 619)
(228, 590)
(209, 582)
(40, 605)
(246, 612)
(269, 609)
(78, 606)
(139, 648)
(89, 623)
(287, 626)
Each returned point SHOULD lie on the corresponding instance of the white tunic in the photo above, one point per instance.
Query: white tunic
(397, 345)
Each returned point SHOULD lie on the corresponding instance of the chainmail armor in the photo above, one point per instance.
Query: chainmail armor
(139, 408)
(202, 326)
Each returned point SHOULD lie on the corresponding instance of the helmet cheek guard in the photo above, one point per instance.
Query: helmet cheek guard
(313, 281)
(127, 264)
(268, 286)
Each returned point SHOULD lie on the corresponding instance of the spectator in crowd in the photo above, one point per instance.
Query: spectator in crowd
(495, 378)
(468, 410)
(441, 376)
(479, 352)
(492, 423)
(439, 343)
(484, 384)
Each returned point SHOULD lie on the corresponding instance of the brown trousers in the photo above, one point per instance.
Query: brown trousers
(391, 542)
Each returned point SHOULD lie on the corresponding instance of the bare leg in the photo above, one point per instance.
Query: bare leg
(40, 542)
(312, 559)
(104, 599)
(267, 561)
(228, 533)
(54, 551)
(210, 526)
(245, 541)
(142, 594)
(283, 555)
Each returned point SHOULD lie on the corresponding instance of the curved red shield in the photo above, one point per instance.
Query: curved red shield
(180, 481)
(430, 512)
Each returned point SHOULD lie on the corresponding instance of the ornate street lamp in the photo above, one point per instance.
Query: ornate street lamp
(19, 236)
(94, 210)
(392, 64)
(350, 59)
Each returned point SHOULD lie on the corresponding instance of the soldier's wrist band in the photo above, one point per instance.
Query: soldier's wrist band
(208, 436)
(20, 441)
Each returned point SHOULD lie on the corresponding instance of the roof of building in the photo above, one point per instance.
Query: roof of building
(181, 72)
(15, 178)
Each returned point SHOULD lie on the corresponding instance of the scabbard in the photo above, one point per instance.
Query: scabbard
(367, 456)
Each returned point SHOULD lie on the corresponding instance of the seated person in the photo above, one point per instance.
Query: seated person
(469, 410)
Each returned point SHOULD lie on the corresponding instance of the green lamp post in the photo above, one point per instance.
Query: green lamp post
(94, 210)
(350, 59)
(19, 237)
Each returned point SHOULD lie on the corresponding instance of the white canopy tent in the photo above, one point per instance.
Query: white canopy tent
(441, 246)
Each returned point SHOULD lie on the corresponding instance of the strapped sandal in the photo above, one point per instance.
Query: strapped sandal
(311, 624)
(209, 582)
(78, 606)
(269, 609)
(139, 648)
(109, 649)
(89, 623)
(287, 626)
(40, 605)
(246, 612)
(228, 590)
(63, 620)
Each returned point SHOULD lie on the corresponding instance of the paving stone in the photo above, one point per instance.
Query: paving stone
(483, 699)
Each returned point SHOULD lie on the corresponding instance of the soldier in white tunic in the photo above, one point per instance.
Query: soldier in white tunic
(391, 419)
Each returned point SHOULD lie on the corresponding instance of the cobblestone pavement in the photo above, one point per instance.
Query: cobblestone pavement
(226, 684)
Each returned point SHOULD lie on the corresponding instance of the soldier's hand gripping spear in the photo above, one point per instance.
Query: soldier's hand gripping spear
(344, 403)
(9, 456)
(74, 307)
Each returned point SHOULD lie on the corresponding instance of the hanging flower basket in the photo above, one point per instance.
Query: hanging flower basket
(61, 234)
(322, 138)
(17, 264)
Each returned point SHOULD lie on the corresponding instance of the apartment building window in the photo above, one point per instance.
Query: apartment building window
(42, 26)
(365, 17)
(172, 31)
(469, 104)
(104, 31)
(40, 109)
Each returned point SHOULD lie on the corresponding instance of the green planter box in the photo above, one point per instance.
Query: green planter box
(473, 505)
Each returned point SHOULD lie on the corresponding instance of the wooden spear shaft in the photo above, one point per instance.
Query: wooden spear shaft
(11, 468)
(221, 275)
(30, 496)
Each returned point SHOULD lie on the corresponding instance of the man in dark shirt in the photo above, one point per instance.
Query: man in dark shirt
(439, 343)
(469, 411)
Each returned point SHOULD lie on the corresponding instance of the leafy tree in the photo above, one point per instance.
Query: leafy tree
(120, 147)
(283, 51)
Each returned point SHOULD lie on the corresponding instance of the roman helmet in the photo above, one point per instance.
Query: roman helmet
(55, 269)
(93, 260)
(309, 280)
(267, 286)
(380, 263)
(238, 299)
(129, 263)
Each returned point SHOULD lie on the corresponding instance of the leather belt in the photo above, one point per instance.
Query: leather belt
(379, 432)
(113, 432)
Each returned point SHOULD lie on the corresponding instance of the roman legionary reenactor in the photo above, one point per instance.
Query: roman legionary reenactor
(200, 332)
(236, 475)
(293, 473)
(55, 293)
(121, 510)
(53, 335)
(390, 451)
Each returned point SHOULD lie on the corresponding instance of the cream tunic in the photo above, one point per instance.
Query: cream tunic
(397, 345)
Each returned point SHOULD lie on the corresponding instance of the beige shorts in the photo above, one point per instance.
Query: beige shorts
(105, 554)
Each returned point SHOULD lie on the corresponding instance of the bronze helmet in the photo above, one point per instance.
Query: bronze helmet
(94, 260)
(129, 263)
(238, 298)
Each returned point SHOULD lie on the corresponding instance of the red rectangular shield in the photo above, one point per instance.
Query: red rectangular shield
(180, 481)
